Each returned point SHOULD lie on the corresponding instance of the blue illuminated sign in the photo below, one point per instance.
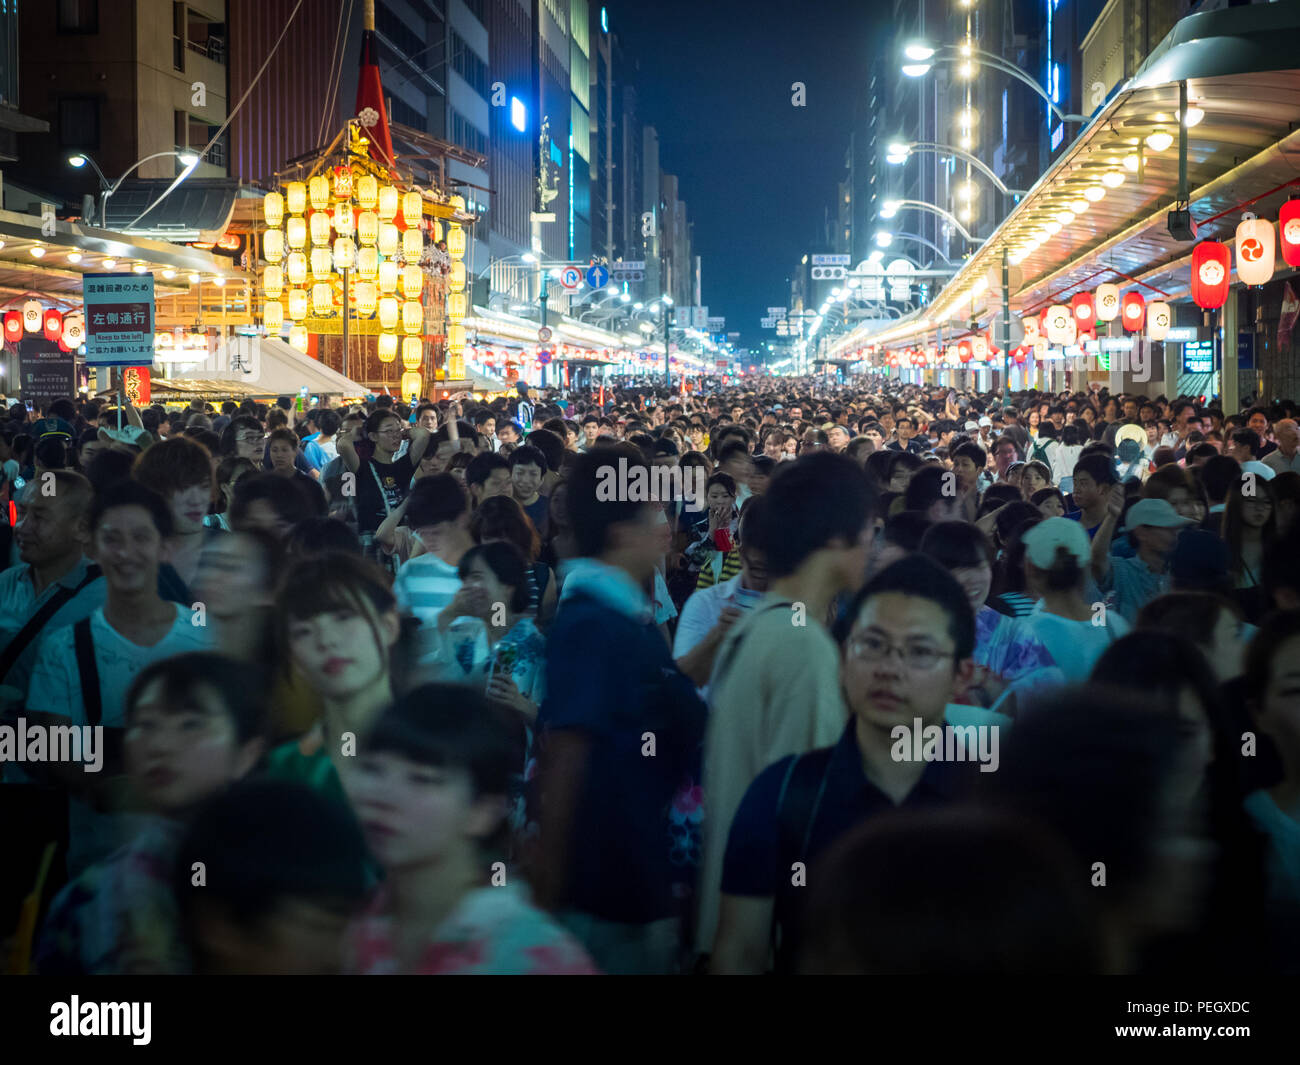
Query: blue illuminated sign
(1198, 356)
(518, 114)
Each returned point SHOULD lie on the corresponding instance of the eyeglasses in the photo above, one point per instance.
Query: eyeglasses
(871, 648)
(248, 438)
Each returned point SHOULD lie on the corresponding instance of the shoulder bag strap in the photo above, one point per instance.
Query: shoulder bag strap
(84, 645)
(24, 636)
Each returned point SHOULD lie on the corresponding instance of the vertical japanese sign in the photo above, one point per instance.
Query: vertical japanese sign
(119, 319)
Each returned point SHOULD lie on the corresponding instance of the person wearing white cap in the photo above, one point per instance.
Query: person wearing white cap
(1153, 526)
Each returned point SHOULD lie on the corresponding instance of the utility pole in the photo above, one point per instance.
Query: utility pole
(668, 368)
(542, 298)
(1006, 326)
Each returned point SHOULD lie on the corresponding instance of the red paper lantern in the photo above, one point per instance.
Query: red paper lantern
(1133, 311)
(13, 326)
(1019, 354)
(1211, 272)
(53, 324)
(1082, 308)
(965, 351)
(1288, 230)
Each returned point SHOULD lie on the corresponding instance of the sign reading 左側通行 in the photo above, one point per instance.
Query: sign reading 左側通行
(119, 319)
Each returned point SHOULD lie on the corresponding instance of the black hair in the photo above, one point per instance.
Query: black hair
(921, 578)
(507, 562)
(956, 545)
(549, 444)
(528, 455)
(233, 427)
(928, 486)
(590, 514)
(972, 451)
(434, 500)
(329, 421)
(1044, 494)
(1097, 465)
(724, 480)
(292, 502)
(503, 517)
(130, 493)
(483, 465)
(903, 460)
(319, 536)
(1219, 475)
(1276, 629)
(239, 685)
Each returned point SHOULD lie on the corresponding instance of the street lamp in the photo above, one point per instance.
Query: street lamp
(106, 188)
(898, 152)
(898, 205)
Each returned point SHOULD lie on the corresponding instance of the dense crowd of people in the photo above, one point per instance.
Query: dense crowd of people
(876, 678)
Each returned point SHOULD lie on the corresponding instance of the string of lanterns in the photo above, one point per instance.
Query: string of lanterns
(68, 330)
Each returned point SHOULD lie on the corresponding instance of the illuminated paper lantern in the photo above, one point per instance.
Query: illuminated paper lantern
(344, 221)
(387, 347)
(1106, 302)
(412, 282)
(295, 268)
(322, 299)
(320, 227)
(273, 245)
(74, 330)
(295, 197)
(297, 304)
(412, 208)
(412, 352)
(1030, 324)
(272, 282)
(412, 245)
(389, 239)
(387, 277)
(296, 233)
(979, 349)
(342, 182)
(435, 230)
(1288, 224)
(457, 305)
(455, 338)
(1211, 269)
(412, 382)
(273, 209)
(456, 277)
(389, 311)
(367, 227)
(52, 324)
(13, 326)
(964, 351)
(298, 338)
(1159, 318)
(367, 263)
(389, 200)
(456, 242)
(1061, 329)
(1256, 246)
(953, 354)
(367, 191)
(412, 316)
(1134, 311)
(363, 292)
(273, 317)
(345, 253)
(318, 192)
(32, 316)
(322, 264)
(1081, 307)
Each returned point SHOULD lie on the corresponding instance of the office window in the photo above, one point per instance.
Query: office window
(79, 122)
(178, 36)
(466, 63)
(78, 16)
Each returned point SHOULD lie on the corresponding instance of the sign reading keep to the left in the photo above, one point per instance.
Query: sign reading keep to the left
(119, 319)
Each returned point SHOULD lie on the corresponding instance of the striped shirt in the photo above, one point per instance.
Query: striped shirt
(425, 585)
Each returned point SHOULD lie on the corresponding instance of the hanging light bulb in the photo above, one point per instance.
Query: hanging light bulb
(296, 197)
(367, 191)
(322, 299)
(367, 227)
(318, 191)
(367, 263)
(296, 268)
(412, 316)
(388, 203)
(387, 347)
(1130, 163)
(273, 245)
(273, 316)
(273, 209)
(1159, 140)
(1113, 179)
(1065, 217)
(1093, 193)
(320, 227)
(387, 277)
(412, 208)
(412, 352)
(297, 304)
(389, 239)
(389, 310)
(345, 253)
(298, 338)
(273, 282)
(1079, 206)
(296, 233)
(412, 282)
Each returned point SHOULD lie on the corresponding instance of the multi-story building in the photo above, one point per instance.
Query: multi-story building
(513, 128)
(602, 135)
(12, 121)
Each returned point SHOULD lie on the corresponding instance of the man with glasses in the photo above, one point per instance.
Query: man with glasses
(383, 479)
(905, 656)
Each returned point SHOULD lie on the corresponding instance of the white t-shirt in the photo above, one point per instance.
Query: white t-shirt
(56, 689)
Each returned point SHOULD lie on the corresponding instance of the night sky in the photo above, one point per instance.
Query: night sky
(756, 173)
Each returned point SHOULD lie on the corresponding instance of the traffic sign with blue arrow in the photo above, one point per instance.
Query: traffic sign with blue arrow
(597, 276)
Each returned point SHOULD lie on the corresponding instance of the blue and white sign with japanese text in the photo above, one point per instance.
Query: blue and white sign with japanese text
(119, 319)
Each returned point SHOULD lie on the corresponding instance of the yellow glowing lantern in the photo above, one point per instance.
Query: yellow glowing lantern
(273, 316)
(322, 264)
(387, 347)
(273, 245)
(411, 383)
(296, 197)
(412, 282)
(318, 191)
(342, 183)
(345, 253)
(412, 352)
(343, 220)
(412, 245)
(456, 242)
(297, 304)
(387, 277)
(412, 208)
(273, 209)
(322, 299)
(367, 191)
(455, 338)
(296, 268)
(389, 239)
(273, 282)
(388, 203)
(367, 227)
(296, 231)
(320, 227)
(455, 366)
(456, 278)
(364, 292)
(367, 263)
(412, 316)
(388, 312)
(298, 338)
(456, 203)
(457, 305)
(435, 231)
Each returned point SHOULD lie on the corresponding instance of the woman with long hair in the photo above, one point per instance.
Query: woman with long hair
(1249, 526)
(502, 519)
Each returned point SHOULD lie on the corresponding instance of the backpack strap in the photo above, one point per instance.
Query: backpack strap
(24, 636)
(84, 645)
(796, 813)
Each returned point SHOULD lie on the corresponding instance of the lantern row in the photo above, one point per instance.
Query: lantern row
(69, 330)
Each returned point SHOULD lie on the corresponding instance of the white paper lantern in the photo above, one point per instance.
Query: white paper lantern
(389, 311)
(322, 299)
(412, 209)
(74, 330)
(296, 197)
(273, 245)
(412, 316)
(32, 311)
(320, 227)
(389, 240)
(298, 338)
(344, 223)
(367, 227)
(412, 245)
(318, 191)
(1256, 248)
(295, 268)
(272, 282)
(297, 304)
(387, 277)
(1106, 300)
(296, 233)
(1159, 318)
(273, 317)
(322, 264)
(273, 209)
(345, 253)
(412, 282)
(367, 263)
(387, 347)
(1059, 325)
(388, 203)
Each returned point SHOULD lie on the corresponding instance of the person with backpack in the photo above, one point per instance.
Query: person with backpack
(907, 641)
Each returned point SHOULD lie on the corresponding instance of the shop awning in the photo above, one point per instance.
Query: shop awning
(197, 209)
(269, 367)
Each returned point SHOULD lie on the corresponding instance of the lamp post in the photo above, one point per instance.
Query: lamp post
(898, 152)
(668, 368)
(891, 207)
(921, 57)
(107, 188)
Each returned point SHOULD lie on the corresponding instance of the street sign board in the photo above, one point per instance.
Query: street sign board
(717, 325)
(543, 357)
(627, 264)
(830, 260)
(828, 273)
(627, 275)
(776, 312)
(597, 276)
(571, 277)
(544, 334)
(767, 323)
(119, 319)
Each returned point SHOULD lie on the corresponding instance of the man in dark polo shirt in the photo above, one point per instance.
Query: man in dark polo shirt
(906, 654)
